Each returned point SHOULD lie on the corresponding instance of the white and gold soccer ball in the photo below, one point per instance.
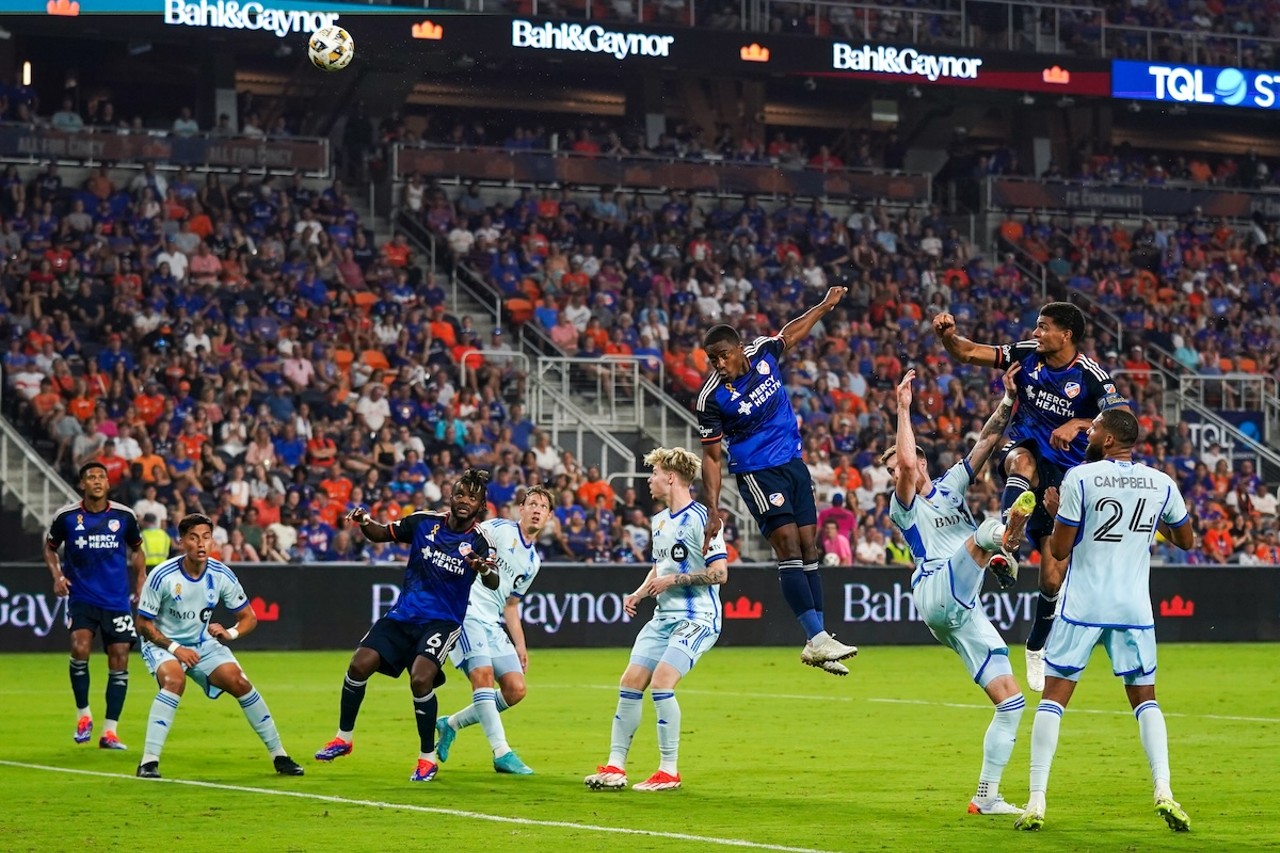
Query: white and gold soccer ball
(331, 48)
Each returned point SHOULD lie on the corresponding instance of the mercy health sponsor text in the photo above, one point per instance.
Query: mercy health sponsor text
(251, 15)
(903, 61)
(575, 38)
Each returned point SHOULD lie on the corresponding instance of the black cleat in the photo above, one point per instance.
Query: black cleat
(286, 766)
(150, 770)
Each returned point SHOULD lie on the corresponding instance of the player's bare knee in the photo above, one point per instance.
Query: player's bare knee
(173, 683)
(239, 686)
(1020, 463)
(482, 677)
(513, 692)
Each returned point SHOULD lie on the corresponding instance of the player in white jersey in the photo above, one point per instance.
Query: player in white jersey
(685, 623)
(178, 640)
(1105, 518)
(485, 650)
(950, 552)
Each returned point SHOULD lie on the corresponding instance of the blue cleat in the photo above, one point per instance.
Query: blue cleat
(444, 738)
(426, 771)
(335, 748)
(84, 729)
(110, 741)
(511, 763)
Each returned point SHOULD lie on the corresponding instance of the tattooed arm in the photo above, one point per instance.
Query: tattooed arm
(993, 430)
(716, 573)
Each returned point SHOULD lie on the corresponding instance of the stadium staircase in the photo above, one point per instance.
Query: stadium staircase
(30, 489)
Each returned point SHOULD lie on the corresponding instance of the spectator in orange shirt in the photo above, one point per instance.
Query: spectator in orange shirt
(396, 252)
(338, 486)
(115, 464)
(82, 405)
(1011, 231)
(322, 452)
(1218, 544)
(149, 404)
(595, 487)
(441, 329)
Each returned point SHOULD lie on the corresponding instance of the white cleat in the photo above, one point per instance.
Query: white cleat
(1030, 820)
(1035, 670)
(828, 649)
(607, 778)
(992, 805)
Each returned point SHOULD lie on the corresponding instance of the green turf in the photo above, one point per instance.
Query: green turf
(773, 753)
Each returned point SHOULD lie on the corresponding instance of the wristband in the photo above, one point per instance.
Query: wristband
(174, 646)
(233, 633)
(1007, 401)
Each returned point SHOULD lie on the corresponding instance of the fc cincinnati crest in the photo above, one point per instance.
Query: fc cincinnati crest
(763, 368)
(113, 525)
(464, 548)
(1109, 388)
(1072, 389)
(777, 499)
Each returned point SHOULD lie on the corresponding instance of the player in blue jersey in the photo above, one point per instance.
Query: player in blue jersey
(951, 555)
(744, 411)
(180, 641)
(1060, 391)
(685, 583)
(1107, 515)
(101, 574)
(486, 650)
(447, 551)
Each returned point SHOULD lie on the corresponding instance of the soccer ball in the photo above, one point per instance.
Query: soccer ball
(830, 560)
(331, 48)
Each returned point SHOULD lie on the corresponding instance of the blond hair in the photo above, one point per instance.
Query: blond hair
(683, 463)
(542, 491)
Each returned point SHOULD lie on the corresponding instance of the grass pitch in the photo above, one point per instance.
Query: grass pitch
(774, 756)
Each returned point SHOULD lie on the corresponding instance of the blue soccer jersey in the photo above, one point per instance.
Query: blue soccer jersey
(96, 559)
(437, 582)
(1049, 397)
(752, 414)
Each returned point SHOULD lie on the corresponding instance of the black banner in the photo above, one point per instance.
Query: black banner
(331, 606)
(1131, 199)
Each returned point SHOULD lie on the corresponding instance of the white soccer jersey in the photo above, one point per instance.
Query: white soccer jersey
(518, 564)
(677, 550)
(936, 526)
(1115, 506)
(181, 606)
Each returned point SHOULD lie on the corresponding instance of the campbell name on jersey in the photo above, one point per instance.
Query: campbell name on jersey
(518, 564)
(1116, 507)
(1049, 397)
(182, 606)
(752, 414)
(677, 550)
(936, 525)
(437, 581)
(96, 559)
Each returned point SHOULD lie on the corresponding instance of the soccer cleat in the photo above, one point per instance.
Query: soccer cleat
(1015, 523)
(426, 771)
(992, 805)
(1173, 815)
(833, 666)
(444, 738)
(1005, 569)
(150, 770)
(1035, 669)
(110, 741)
(660, 781)
(286, 766)
(607, 778)
(335, 748)
(1030, 820)
(84, 729)
(828, 649)
(509, 763)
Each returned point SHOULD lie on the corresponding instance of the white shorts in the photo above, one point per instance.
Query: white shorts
(963, 628)
(212, 655)
(1132, 651)
(673, 640)
(484, 644)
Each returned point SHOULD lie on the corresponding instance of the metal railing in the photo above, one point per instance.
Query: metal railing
(20, 464)
(558, 414)
(604, 389)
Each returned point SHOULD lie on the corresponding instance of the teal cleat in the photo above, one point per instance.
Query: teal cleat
(1173, 815)
(444, 738)
(511, 763)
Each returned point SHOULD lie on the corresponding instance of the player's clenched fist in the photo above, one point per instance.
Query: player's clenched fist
(944, 325)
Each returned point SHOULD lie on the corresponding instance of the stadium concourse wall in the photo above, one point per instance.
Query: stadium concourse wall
(330, 606)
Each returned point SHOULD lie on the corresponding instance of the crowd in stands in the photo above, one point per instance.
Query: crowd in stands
(624, 274)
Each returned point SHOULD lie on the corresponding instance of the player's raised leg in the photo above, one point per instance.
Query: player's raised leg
(612, 775)
(364, 663)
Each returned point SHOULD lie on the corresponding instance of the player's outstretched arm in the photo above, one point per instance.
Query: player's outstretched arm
(712, 480)
(993, 430)
(798, 329)
(905, 483)
(372, 530)
(961, 348)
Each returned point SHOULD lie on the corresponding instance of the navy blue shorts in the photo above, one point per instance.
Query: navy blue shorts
(1048, 474)
(779, 496)
(399, 644)
(116, 625)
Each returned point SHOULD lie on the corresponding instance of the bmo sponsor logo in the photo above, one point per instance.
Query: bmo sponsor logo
(32, 612)
(575, 38)
(907, 62)
(863, 603)
(233, 15)
(1195, 84)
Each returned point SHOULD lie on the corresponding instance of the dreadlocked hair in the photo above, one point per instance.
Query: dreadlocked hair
(474, 480)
